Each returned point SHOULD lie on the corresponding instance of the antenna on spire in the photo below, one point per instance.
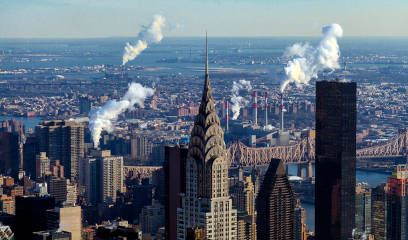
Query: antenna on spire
(206, 54)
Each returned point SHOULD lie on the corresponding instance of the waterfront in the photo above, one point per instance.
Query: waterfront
(372, 178)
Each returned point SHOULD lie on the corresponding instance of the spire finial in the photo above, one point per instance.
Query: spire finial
(206, 54)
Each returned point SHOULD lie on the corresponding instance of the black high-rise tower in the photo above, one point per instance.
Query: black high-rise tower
(335, 159)
(275, 205)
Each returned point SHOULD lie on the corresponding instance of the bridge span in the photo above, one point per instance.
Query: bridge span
(303, 152)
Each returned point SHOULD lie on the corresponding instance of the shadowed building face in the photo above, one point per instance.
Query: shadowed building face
(275, 205)
(335, 159)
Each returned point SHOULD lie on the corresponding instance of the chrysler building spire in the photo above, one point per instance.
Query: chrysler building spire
(206, 202)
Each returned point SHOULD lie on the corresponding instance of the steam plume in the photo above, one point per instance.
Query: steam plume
(237, 101)
(308, 61)
(103, 117)
(150, 34)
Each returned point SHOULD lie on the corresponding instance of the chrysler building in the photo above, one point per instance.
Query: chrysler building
(206, 204)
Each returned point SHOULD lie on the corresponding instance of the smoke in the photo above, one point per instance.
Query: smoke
(143, 125)
(237, 101)
(269, 127)
(150, 34)
(79, 119)
(104, 117)
(308, 61)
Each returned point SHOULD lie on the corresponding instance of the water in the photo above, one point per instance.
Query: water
(372, 178)
(29, 123)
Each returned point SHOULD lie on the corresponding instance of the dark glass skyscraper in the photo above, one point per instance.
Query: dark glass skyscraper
(175, 183)
(335, 159)
(275, 205)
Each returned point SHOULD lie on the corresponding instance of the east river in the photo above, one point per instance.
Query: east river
(372, 178)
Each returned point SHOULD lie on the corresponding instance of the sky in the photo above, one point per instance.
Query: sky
(226, 18)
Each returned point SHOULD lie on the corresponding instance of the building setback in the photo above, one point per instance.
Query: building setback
(335, 159)
(275, 205)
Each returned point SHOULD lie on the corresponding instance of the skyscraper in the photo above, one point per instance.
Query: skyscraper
(42, 164)
(397, 205)
(206, 202)
(9, 153)
(103, 176)
(275, 205)
(64, 141)
(300, 225)
(243, 199)
(66, 218)
(335, 159)
(175, 183)
(379, 212)
(363, 209)
(31, 215)
(84, 105)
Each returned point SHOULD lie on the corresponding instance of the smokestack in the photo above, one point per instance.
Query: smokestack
(255, 108)
(282, 107)
(226, 114)
(266, 109)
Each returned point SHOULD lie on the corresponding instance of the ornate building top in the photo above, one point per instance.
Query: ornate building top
(207, 138)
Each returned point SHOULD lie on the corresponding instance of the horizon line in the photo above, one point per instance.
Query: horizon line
(196, 36)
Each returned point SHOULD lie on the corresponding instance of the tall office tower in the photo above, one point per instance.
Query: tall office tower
(243, 199)
(335, 160)
(104, 176)
(300, 225)
(363, 210)
(206, 202)
(275, 205)
(42, 164)
(255, 108)
(57, 188)
(9, 152)
(64, 141)
(66, 218)
(175, 184)
(89, 178)
(31, 215)
(397, 224)
(84, 105)
(30, 150)
(379, 212)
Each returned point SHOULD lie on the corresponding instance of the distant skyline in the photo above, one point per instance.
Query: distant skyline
(226, 18)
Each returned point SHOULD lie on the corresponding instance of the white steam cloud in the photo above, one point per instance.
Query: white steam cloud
(308, 61)
(104, 117)
(238, 101)
(150, 34)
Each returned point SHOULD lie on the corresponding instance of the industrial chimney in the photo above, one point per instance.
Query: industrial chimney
(266, 109)
(282, 107)
(255, 108)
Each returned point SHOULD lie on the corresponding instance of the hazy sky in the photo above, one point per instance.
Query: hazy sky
(112, 18)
